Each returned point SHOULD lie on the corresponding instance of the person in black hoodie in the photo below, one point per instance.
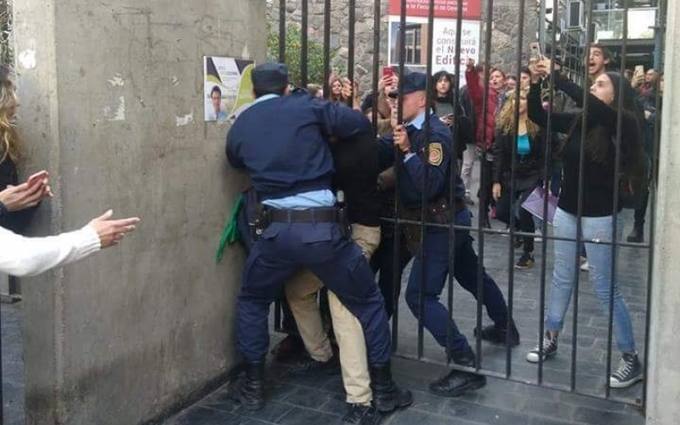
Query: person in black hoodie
(528, 157)
(442, 85)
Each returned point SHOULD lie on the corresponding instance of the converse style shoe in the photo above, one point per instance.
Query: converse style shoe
(549, 349)
(628, 373)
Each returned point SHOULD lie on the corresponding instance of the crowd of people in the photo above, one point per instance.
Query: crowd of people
(324, 182)
(329, 167)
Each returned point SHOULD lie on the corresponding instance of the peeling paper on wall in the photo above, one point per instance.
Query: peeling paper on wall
(117, 113)
(117, 81)
(27, 59)
(187, 119)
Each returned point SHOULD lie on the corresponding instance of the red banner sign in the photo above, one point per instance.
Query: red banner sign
(472, 9)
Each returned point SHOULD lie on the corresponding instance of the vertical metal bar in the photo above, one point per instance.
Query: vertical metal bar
(376, 63)
(304, 45)
(282, 31)
(579, 214)
(513, 167)
(483, 214)
(547, 161)
(423, 193)
(652, 204)
(326, 48)
(453, 173)
(350, 50)
(282, 59)
(396, 260)
(615, 206)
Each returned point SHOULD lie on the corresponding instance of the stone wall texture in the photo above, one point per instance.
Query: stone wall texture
(505, 31)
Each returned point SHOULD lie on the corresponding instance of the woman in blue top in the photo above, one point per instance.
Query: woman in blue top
(529, 151)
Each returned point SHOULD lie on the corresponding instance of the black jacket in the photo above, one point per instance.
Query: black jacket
(527, 167)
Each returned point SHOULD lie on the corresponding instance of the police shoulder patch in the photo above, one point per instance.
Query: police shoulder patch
(436, 155)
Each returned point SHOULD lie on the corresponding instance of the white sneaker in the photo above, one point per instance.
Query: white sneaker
(585, 266)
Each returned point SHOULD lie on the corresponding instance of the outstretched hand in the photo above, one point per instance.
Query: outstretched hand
(111, 232)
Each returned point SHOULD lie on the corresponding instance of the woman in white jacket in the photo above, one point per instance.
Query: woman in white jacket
(22, 256)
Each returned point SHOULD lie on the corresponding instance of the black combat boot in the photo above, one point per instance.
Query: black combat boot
(249, 388)
(386, 395)
(456, 383)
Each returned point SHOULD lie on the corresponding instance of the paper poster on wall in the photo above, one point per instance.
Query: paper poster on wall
(443, 48)
(227, 86)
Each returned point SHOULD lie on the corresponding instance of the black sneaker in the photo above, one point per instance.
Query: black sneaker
(526, 261)
(309, 365)
(497, 335)
(628, 373)
(362, 415)
(549, 349)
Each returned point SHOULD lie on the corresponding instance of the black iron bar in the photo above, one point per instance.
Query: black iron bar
(513, 168)
(396, 260)
(615, 206)
(547, 177)
(579, 213)
(304, 45)
(282, 59)
(453, 171)
(326, 48)
(350, 51)
(376, 64)
(423, 194)
(483, 214)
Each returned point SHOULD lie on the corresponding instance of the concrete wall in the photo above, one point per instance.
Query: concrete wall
(663, 388)
(111, 105)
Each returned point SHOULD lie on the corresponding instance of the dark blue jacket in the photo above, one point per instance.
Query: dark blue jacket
(283, 143)
(412, 172)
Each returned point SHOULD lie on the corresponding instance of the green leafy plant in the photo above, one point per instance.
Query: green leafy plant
(315, 69)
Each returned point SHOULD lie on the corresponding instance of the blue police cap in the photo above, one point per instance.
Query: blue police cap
(415, 81)
(270, 77)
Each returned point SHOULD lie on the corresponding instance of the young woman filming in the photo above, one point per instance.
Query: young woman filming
(597, 203)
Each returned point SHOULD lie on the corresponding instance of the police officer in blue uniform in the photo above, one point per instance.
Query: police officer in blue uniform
(282, 143)
(412, 141)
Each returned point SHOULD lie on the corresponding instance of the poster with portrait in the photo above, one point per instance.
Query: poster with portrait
(227, 86)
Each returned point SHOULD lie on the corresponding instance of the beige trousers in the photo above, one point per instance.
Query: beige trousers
(301, 292)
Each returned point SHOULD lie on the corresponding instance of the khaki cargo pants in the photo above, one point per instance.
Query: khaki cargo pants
(301, 292)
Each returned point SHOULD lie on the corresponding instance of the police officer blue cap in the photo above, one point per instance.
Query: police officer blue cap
(270, 77)
(413, 82)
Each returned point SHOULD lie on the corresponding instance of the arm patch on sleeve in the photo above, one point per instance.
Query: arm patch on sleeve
(436, 154)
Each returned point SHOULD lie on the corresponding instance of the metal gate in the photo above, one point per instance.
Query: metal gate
(572, 45)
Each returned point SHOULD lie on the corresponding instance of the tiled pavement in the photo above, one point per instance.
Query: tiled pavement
(319, 399)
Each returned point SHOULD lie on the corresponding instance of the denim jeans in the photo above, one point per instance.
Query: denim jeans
(600, 261)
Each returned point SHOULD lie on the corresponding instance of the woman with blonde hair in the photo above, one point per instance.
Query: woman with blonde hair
(10, 149)
(529, 150)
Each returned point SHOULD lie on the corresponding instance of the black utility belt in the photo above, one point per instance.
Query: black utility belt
(436, 212)
(310, 215)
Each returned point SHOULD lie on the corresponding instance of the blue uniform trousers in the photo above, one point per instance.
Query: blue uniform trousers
(436, 262)
(283, 249)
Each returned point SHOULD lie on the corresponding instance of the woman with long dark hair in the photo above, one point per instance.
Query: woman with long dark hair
(443, 105)
(597, 203)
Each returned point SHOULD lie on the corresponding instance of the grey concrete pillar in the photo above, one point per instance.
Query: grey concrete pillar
(663, 386)
(111, 105)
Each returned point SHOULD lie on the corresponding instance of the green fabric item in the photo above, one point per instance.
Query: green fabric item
(230, 234)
